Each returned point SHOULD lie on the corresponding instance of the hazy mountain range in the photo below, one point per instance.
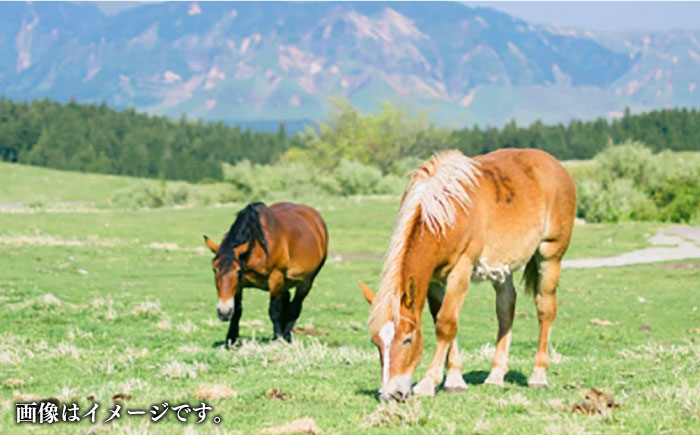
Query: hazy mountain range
(277, 61)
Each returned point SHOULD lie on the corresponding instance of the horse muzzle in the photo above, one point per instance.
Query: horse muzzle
(224, 317)
(225, 310)
(397, 390)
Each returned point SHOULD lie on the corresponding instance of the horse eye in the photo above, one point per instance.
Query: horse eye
(213, 270)
(407, 341)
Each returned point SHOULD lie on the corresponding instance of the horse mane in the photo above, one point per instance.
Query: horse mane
(245, 229)
(430, 198)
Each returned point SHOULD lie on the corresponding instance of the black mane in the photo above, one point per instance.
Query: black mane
(245, 229)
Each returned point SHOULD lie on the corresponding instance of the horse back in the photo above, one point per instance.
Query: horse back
(300, 238)
(524, 196)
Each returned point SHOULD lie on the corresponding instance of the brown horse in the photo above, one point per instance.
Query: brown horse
(462, 219)
(271, 248)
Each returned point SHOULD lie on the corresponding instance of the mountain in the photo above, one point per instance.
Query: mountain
(247, 61)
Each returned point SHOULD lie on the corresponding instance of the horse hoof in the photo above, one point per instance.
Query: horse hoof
(496, 378)
(424, 388)
(495, 382)
(538, 379)
(454, 383)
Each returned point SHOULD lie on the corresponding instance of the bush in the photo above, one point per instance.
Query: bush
(391, 185)
(629, 182)
(155, 195)
(356, 178)
(263, 181)
(327, 183)
(678, 198)
(631, 160)
(406, 165)
(620, 200)
(291, 180)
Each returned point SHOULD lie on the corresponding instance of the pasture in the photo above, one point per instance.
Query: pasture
(98, 301)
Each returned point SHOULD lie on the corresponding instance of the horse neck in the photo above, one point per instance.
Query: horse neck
(418, 263)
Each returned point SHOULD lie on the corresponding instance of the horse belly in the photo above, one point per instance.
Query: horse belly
(504, 255)
(305, 256)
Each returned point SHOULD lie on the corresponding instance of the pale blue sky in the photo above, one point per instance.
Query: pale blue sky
(604, 16)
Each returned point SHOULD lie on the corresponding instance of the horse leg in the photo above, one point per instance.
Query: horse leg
(446, 329)
(279, 299)
(277, 309)
(546, 302)
(232, 335)
(454, 383)
(294, 309)
(505, 310)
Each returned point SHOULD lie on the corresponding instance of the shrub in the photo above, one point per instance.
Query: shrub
(327, 183)
(155, 195)
(678, 198)
(629, 182)
(405, 165)
(391, 185)
(620, 200)
(264, 181)
(631, 160)
(356, 178)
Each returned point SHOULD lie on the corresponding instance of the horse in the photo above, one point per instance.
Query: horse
(270, 248)
(464, 219)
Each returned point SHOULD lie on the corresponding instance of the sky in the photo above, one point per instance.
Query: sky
(604, 16)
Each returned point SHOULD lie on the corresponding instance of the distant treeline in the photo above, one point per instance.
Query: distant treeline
(669, 129)
(95, 138)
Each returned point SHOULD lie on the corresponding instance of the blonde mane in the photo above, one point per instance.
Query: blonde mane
(435, 187)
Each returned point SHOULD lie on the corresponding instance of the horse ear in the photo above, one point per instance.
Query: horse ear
(410, 295)
(213, 246)
(240, 250)
(368, 294)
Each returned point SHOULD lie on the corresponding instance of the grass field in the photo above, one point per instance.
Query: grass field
(102, 301)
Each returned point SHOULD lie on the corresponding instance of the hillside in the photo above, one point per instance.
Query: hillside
(250, 61)
(23, 186)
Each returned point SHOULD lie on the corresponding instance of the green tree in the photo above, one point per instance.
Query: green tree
(379, 139)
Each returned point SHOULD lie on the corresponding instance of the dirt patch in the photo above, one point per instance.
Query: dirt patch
(600, 322)
(308, 330)
(121, 396)
(13, 382)
(47, 240)
(215, 391)
(595, 402)
(277, 394)
(164, 245)
(301, 426)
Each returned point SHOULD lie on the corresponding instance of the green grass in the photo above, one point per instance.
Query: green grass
(41, 187)
(101, 338)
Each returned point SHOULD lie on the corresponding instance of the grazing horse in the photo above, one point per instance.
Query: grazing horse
(462, 219)
(271, 248)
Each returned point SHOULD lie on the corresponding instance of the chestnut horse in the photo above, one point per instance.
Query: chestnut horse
(271, 248)
(462, 219)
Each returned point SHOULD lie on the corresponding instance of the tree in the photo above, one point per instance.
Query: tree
(374, 139)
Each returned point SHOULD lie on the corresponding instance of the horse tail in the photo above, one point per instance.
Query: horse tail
(531, 276)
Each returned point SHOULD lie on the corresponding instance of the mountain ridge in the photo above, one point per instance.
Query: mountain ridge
(276, 61)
